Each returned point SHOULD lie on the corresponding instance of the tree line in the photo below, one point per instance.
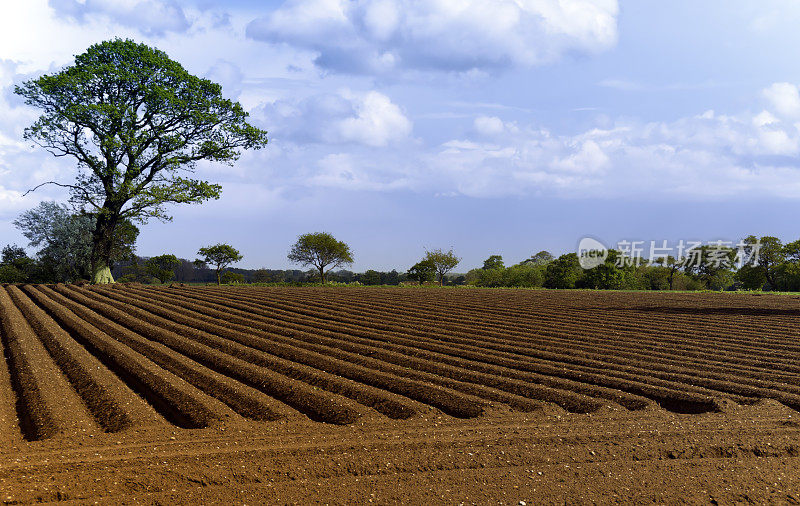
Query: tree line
(64, 242)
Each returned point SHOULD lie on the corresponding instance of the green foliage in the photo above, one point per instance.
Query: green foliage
(751, 277)
(493, 262)
(220, 256)
(320, 250)
(422, 271)
(134, 119)
(232, 278)
(136, 273)
(162, 267)
(540, 258)
(371, 277)
(523, 275)
(11, 274)
(64, 240)
(443, 262)
(15, 266)
(563, 272)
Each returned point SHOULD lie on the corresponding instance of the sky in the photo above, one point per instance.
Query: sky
(487, 126)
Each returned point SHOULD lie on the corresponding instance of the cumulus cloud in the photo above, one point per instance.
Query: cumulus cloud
(367, 36)
(708, 155)
(151, 17)
(370, 118)
(785, 98)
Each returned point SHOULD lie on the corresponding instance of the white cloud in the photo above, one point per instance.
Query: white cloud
(489, 125)
(377, 122)
(370, 118)
(151, 17)
(458, 35)
(785, 98)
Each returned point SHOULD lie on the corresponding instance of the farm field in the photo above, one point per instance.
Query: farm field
(139, 394)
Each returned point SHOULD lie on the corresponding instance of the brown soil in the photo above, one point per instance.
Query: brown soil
(184, 395)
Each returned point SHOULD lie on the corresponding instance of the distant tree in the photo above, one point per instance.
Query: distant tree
(563, 272)
(712, 265)
(541, 258)
(134, 119)
(268, 276)
(422, 271)
(792, 252)
(390, 278)
(220, 256)
(64, 240)
(162, 267)
(751, 277)
(672, 266)
(232, 278)
(770, 254)
(320, 250)
(493, 262)
(371, 277)
(443, 262)
(136, 272)
(12, 253)
(606, 276)
(15, 266)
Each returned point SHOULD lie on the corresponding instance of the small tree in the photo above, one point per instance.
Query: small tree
(443, 262)
(320, 250)
(220, 256)
(162, 267)
(422, 271)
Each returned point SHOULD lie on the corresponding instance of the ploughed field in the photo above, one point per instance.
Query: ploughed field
(239, 394)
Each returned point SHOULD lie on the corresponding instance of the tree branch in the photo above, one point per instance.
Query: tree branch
(70, 186)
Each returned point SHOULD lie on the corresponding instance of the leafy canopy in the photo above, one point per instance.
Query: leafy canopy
(443, 261)
(320, 249)
(220, 255)
(422, 271)
(133, 118)
(493, 262)
(162, 267)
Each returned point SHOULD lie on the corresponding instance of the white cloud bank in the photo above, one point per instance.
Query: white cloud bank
(708, 155)
(367, 36)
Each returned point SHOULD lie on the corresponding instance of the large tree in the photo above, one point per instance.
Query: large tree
(320, 250)
(136, 122)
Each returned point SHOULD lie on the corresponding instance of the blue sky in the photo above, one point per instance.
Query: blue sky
(489, 126)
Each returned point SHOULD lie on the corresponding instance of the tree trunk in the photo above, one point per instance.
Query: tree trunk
(102, 244)
(219, 282)
(322, 274)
